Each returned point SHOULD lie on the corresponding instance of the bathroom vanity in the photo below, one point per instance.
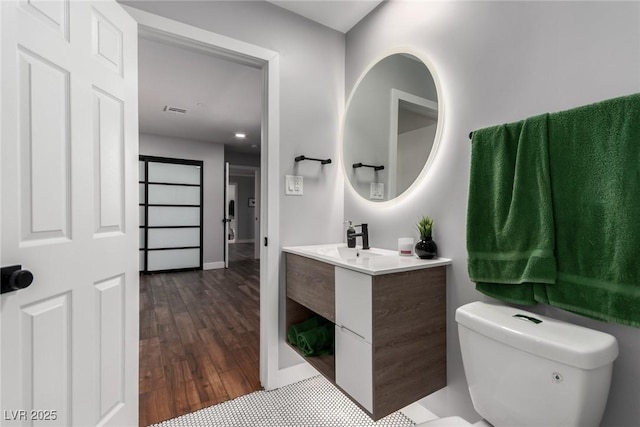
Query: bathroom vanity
(390, 321)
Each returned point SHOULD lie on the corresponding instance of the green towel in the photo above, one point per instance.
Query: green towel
(594, 176)
(317, 341)
(595, 180)
(295, 330)
(510, 230)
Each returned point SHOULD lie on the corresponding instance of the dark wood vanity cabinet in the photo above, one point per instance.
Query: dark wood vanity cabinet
(390, 348)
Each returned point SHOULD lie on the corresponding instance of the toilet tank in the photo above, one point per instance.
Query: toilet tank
(524, 369)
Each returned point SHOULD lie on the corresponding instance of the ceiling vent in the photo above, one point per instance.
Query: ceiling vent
(175, 110)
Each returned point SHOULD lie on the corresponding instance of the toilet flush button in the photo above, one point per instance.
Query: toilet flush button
(556, 377)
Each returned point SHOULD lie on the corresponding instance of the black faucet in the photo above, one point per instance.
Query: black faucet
(351, 236)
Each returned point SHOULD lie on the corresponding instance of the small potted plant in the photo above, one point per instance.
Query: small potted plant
(426, 248)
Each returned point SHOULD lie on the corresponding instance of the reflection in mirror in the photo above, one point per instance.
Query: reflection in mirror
(413, 130)
(391, 121)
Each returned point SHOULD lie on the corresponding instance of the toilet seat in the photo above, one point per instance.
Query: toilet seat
(446, 422)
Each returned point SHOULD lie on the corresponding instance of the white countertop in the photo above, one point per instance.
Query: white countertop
(374, 261)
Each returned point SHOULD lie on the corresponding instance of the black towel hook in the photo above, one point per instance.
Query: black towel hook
(361, 165)
(322, 161)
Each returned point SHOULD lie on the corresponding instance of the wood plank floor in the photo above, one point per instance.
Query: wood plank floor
(199, 337)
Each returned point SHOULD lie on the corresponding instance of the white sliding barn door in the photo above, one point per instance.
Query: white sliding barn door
(171, 214)
(69, 213)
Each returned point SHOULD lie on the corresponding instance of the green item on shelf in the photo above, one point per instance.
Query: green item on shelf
(317, 341)
(310, 323)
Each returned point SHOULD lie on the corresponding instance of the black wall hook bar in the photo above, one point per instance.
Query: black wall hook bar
(322, 161)
(361, 165)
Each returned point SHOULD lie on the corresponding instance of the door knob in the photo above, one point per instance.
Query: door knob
(14, 278)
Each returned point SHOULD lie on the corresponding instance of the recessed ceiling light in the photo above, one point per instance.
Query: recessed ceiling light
(241, 135)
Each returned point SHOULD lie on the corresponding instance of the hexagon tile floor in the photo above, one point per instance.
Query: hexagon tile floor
(314, 402)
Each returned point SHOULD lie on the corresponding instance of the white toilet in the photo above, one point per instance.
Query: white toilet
(524, 369)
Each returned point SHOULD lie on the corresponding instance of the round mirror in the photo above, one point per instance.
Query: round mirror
(390, 128)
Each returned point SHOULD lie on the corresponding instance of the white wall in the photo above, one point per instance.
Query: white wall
(213, 186)
(311, 106)
(498, 62)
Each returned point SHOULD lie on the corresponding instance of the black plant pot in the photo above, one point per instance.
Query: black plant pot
(426, 248)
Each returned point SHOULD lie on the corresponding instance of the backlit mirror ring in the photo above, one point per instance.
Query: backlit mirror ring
(346, 152)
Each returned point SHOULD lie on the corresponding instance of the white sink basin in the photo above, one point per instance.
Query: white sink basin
(370, 261)
(346, 253)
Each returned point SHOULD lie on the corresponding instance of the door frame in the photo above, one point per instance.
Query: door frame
(232, 191)
(225, 216)
(177, 33)
(252, 172)
(1, 142)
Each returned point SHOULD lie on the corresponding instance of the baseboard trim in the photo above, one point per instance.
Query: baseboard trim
(213, 265)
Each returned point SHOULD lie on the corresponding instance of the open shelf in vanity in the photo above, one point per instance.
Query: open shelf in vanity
(326, 365)
(390, 329)
(311, 291)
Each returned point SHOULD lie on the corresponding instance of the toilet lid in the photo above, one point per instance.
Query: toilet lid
(446, 422)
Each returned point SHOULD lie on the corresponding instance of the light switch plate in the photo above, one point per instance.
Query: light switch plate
(376, 191)
(293, 185)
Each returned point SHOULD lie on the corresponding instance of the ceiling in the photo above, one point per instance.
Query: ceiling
(220, 97)
(340, 15)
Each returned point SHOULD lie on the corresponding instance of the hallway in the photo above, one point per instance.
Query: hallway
(199, 337)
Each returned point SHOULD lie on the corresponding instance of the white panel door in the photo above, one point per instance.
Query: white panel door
(69, 199)
(226, 220)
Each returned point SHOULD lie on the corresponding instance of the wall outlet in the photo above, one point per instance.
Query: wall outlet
(376, 191)
(293, 185)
